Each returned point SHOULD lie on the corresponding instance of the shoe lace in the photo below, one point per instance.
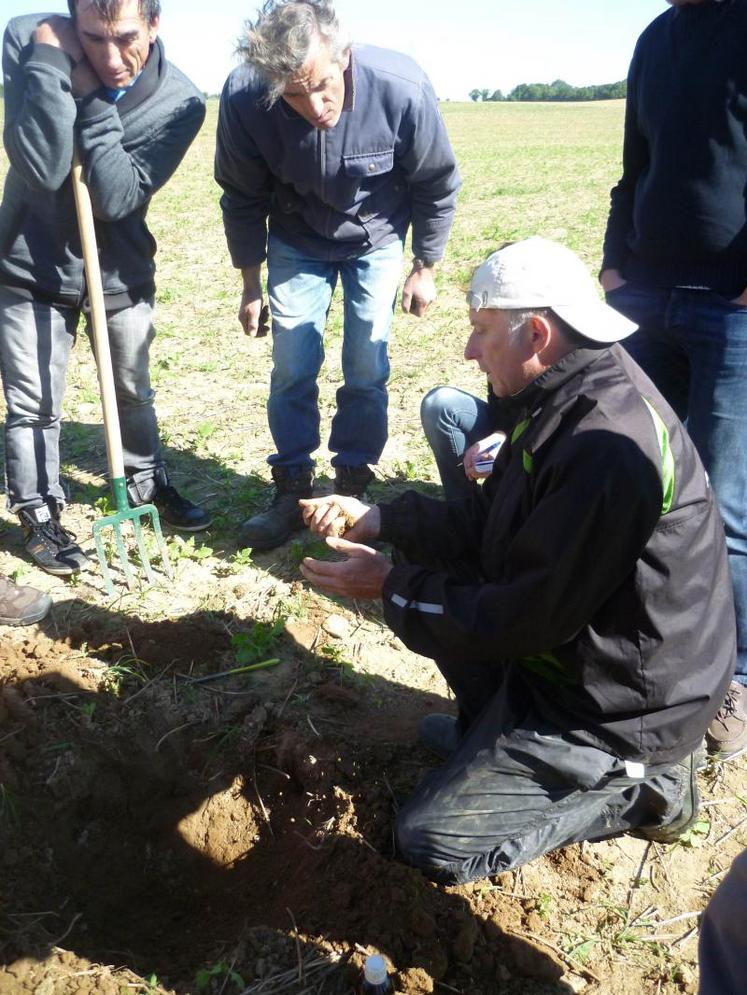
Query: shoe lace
(55, 534)
(169, 495)
(729, 707)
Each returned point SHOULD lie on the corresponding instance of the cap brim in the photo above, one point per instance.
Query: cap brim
(596, 320)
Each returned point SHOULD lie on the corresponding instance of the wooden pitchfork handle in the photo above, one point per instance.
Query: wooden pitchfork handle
(98, 321)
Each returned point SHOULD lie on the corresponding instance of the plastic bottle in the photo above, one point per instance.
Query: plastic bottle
(375, 978)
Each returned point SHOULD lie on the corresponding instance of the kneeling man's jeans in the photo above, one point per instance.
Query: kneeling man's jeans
(517, 787)
(300, 290)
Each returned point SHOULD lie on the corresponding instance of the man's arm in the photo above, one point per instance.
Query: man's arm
(593, 518)
(246, 181)
(122, 178)
(433, 181)
(622, 196)
(39, 106)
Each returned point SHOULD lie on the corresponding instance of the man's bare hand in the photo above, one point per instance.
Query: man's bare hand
(479, 458)
(361, 575)
(337, 515)
(742, 299)
(254, 314)
(611, 279)
(419, 291)
(59, 32)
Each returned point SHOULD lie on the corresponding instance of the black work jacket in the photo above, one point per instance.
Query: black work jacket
(596, 561)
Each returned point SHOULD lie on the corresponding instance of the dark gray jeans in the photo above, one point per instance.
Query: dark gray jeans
(517, 787)
(35, 343)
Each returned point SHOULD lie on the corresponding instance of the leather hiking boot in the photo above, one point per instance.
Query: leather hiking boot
(352, 481)
(49, 545)
(179, 512)
(439, 733)
(727, 734)
(273, 527)
(21, 605)
(671, 831)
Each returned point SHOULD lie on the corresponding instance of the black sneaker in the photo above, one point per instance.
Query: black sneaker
(352, 481)
(49, 545)
(179, 512)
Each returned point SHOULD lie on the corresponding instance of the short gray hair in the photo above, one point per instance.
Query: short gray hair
(279, 41)
(518, 318)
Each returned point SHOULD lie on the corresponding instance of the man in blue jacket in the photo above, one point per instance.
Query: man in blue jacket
(340, 148)
(675, 261)
(98, 79)
(578, 603)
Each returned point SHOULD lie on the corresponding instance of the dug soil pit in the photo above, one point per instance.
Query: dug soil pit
(239, 839)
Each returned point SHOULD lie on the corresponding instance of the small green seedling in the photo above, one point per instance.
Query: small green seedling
(207, 975)
(249, 647)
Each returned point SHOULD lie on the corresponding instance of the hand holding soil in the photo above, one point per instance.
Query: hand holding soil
(361, 575)
(337, 515)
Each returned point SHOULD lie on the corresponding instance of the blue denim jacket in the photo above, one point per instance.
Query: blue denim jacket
(339, 193)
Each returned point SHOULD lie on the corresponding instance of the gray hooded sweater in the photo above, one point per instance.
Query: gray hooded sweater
(129, 149)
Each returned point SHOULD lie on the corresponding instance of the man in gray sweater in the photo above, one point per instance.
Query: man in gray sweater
(98, 80)
(327, 153)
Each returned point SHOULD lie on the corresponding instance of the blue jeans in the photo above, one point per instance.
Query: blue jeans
(300, 289)
(693, 345)
(453, 420)
(35, 343)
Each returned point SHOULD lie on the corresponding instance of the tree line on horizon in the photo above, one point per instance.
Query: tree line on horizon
(558, 90)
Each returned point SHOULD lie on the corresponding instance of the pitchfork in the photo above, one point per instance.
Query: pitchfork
(102, 353)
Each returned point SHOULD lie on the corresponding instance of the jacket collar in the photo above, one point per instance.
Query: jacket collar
(147, 82)
(534, 395)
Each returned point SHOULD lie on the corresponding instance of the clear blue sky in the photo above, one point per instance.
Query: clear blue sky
(472, 43)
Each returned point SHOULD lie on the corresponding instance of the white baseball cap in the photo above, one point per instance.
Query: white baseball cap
(538, 273)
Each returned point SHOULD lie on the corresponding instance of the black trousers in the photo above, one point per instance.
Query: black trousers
(517, 787)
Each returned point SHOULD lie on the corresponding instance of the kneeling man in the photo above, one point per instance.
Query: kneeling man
(578, 604)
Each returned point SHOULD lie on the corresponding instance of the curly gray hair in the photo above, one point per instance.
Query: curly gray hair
(279, 41)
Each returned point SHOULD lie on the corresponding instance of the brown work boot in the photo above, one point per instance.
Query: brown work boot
(727, 734)
(21, 605)
(273, 527)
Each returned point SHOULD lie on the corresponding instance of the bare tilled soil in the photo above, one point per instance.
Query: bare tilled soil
(236, 835)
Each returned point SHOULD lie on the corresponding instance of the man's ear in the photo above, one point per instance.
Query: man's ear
(540, 331)
(153, 28)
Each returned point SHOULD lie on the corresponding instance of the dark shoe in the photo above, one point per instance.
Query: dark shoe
(21, 605)
(352, 481)
(273, 527)
(671, 831)
(49, 545)
(727, 734)
(439, 733)
(179, 512)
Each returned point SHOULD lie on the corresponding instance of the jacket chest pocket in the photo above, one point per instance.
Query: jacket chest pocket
(368, 164)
